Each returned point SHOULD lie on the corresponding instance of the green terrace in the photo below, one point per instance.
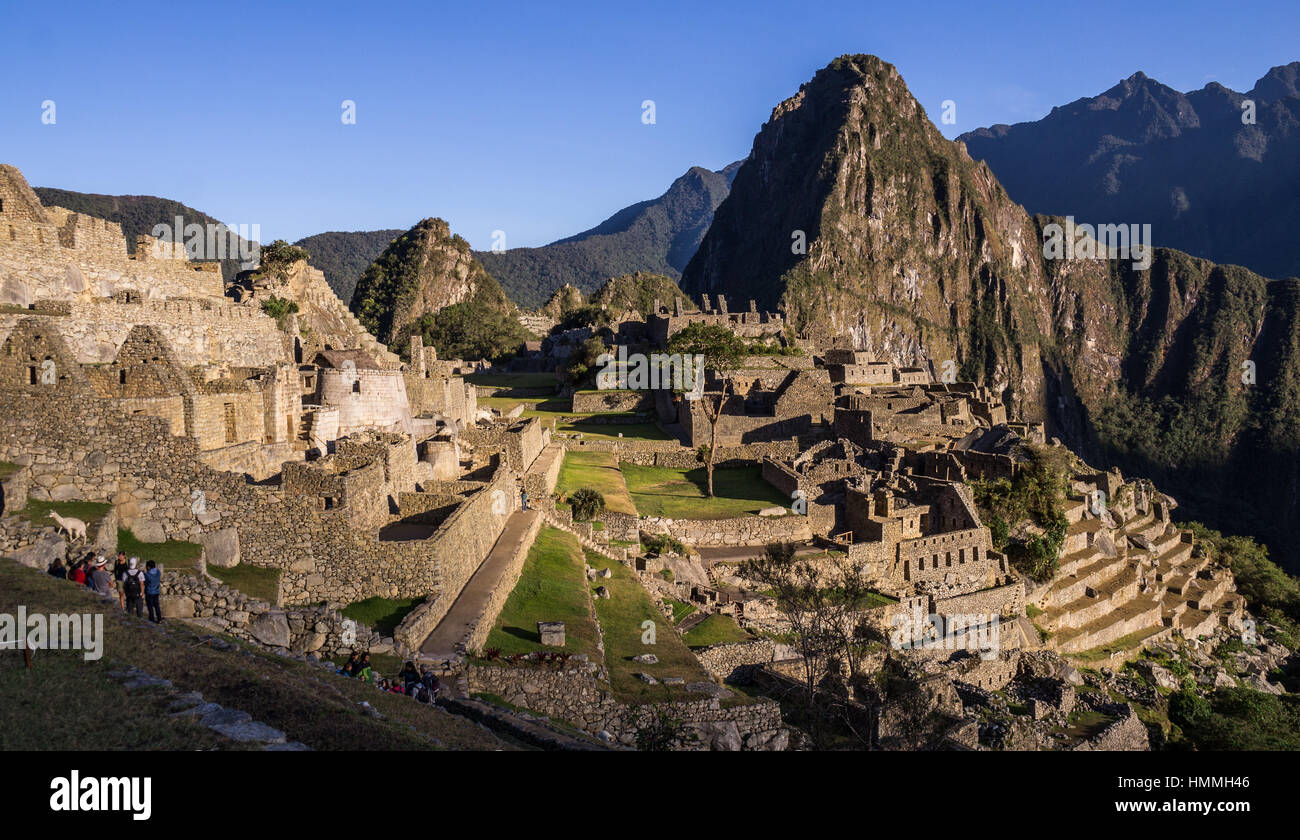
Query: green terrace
(598, 471)
(552, 587)
(622, 620)
(681, 493)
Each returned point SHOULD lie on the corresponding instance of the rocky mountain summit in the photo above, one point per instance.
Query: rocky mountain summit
(423, 271)
(872, 229)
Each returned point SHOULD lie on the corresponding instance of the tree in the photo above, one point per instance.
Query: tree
(277, 258)
(586, 503)
(823, 599)
(722, 352)
(582, 366)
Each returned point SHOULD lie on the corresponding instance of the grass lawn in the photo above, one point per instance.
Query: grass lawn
(716, 630)
(383, 614)
(552, 587)
(309, 705)
(598, 471)
(38, 512)
(680, 494)
(173, 555)
(610, 431)
(681, 609)
(253, 581)
(621, 616)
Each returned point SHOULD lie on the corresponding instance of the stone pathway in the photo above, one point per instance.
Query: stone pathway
(473, 599)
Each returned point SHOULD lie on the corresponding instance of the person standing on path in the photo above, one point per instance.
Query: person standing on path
(119, 569)
(133, 588)
(152, 590)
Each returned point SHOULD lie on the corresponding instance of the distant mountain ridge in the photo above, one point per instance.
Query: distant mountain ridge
(343, 256)
(658, 236)
(1142, 152)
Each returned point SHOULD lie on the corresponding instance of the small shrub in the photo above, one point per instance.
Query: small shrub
(662, 544)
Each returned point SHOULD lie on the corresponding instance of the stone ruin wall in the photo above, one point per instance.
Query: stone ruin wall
(574, 695)
(80, 448)
(50, 252)
(739, 530)
(200, 331)
(319, 630)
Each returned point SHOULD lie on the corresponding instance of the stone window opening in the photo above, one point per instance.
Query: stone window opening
(356, 387)
(231, 435)
(31, 375)
(121, 377)
(327, 503)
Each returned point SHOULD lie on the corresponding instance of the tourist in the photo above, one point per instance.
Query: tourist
(363, 668)
(57, 569)
(77, 572)
(152, 590)
(119, 569)
(409, 676)
(132, 584)
(523, 498)
(100, 580)
(349, 668)
(88, 565)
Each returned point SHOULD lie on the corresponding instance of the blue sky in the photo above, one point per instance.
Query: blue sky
(526, 117)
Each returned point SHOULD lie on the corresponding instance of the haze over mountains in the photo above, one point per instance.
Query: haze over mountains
(1186, 163)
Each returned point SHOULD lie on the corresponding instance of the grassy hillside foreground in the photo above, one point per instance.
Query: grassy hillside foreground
(66, 703)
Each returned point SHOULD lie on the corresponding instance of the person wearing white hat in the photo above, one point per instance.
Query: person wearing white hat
(101, 579)
(133, 588)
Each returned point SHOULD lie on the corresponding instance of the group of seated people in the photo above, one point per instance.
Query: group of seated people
(421, 683)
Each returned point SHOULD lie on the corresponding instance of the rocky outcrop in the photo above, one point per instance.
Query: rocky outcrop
(422, 271)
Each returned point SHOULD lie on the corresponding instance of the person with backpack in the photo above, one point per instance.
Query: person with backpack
(152, 591)
(132, 587)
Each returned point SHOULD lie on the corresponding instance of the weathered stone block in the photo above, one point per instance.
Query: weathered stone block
(271, 629)
(176, 606)
(221, 548)
(552, 633)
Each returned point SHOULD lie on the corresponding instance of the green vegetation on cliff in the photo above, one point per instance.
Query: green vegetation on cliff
(1025, 514)
(427, 282)
(343, 257)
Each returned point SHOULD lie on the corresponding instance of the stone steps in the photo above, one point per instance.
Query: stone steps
(1193, 623)
(1138, 614)
(1084, 610)
(1093, 575)
(1071, 563)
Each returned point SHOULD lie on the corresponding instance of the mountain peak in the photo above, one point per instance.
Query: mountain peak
(1278, 83)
